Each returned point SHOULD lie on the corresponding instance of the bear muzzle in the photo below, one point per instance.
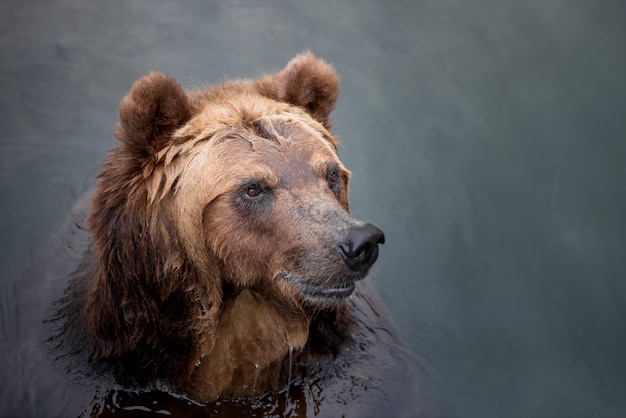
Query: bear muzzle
(325, 281)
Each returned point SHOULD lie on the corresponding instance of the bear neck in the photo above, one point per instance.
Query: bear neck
(248, 350)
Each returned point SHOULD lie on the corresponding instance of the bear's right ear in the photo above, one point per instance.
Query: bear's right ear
(153, 109)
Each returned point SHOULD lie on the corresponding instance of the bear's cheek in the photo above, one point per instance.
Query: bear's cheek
(243, 245)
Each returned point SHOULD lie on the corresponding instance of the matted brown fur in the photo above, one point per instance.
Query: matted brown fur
(216, 222)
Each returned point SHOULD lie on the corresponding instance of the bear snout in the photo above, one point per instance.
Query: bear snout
(325, 278)
(360, 249)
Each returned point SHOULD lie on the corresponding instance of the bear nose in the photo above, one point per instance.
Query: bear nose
(360, 249)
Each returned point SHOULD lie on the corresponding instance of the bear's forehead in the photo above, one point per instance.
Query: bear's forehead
(274, 142)
(229, 112)
(274, 148)
(243, 136)
(254, 125)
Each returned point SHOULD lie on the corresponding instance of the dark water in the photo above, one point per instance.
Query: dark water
(487, 138)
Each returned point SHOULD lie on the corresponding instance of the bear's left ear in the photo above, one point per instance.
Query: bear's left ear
(307, 82)
(153, 109)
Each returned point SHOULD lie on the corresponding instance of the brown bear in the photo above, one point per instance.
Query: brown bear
(224, 254)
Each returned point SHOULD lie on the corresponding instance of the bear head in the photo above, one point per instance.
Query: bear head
(213, 192)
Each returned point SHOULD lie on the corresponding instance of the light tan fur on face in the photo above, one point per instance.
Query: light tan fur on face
(213, 159)
(208, 157)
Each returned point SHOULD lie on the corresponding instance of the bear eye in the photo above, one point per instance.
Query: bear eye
(252, 196)
(253, 190)
(333, 178)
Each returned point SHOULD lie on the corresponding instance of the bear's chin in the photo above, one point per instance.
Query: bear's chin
(321, 295)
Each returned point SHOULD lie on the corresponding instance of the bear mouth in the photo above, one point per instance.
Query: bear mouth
(321, 294)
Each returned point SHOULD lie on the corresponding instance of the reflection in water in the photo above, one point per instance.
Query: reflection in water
(292, 403)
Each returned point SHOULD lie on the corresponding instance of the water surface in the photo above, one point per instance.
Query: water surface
(487, 139)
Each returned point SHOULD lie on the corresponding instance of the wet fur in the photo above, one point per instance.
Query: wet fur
(171, 288)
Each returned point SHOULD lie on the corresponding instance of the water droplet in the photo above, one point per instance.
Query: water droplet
(290, 363)
(256, 376)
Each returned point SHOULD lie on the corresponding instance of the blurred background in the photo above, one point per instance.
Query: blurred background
(486, 138)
